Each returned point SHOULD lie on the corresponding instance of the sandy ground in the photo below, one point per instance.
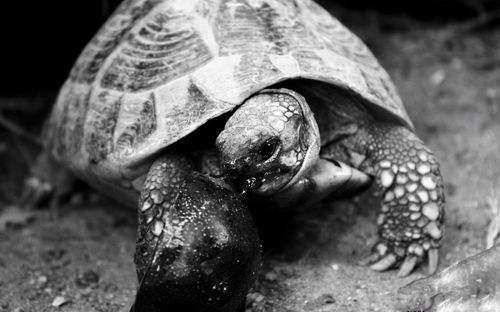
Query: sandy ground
(82, 260)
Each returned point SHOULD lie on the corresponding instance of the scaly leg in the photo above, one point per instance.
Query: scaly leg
(197, 246)
(410, 221)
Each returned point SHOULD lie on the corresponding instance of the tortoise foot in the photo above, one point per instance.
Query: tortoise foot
(387, 254)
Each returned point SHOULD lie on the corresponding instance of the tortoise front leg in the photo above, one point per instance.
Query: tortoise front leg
(410, 221)
(197, 246)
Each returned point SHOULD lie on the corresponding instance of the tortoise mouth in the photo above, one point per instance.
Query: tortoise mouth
(265, 183)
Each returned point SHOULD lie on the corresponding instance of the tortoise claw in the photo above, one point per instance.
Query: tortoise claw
(433, 260)
(370, 259)
(385, 263)
(408, 265)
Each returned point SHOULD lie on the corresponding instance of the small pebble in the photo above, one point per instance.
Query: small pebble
(86, 292)
(109, 297)
(326, 299)
(361, 286)
(438, 77)
(86, 279)
(42, 280)
(59, 301)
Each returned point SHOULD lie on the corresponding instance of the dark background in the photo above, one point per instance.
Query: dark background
(42, 39)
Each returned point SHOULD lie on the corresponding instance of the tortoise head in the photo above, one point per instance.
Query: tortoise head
(269, 142)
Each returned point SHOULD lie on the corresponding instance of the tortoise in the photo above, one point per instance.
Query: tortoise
(191, 110)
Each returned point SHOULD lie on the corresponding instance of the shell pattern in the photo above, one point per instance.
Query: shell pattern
(158, 69)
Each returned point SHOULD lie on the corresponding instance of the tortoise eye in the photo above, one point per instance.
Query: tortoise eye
(268, 148)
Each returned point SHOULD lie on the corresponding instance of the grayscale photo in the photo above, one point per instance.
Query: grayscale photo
(250, 156)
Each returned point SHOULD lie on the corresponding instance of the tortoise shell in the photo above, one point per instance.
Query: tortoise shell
(159, 69)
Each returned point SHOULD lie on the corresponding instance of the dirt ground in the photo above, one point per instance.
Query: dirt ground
(450, 83)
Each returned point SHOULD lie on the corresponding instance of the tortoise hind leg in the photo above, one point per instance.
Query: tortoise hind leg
(197, 246)
(48, 180)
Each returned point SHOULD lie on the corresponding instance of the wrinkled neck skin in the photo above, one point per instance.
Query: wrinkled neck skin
(269, 142)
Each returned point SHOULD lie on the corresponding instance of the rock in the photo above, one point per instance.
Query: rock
(326, 299)
(42, 281)
(438, 77)
(87, 279)
(59, 301)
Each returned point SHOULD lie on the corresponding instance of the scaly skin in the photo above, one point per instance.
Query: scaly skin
(197, 247)
(410, 221)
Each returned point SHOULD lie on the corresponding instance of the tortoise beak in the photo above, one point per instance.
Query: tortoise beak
(236, 174)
